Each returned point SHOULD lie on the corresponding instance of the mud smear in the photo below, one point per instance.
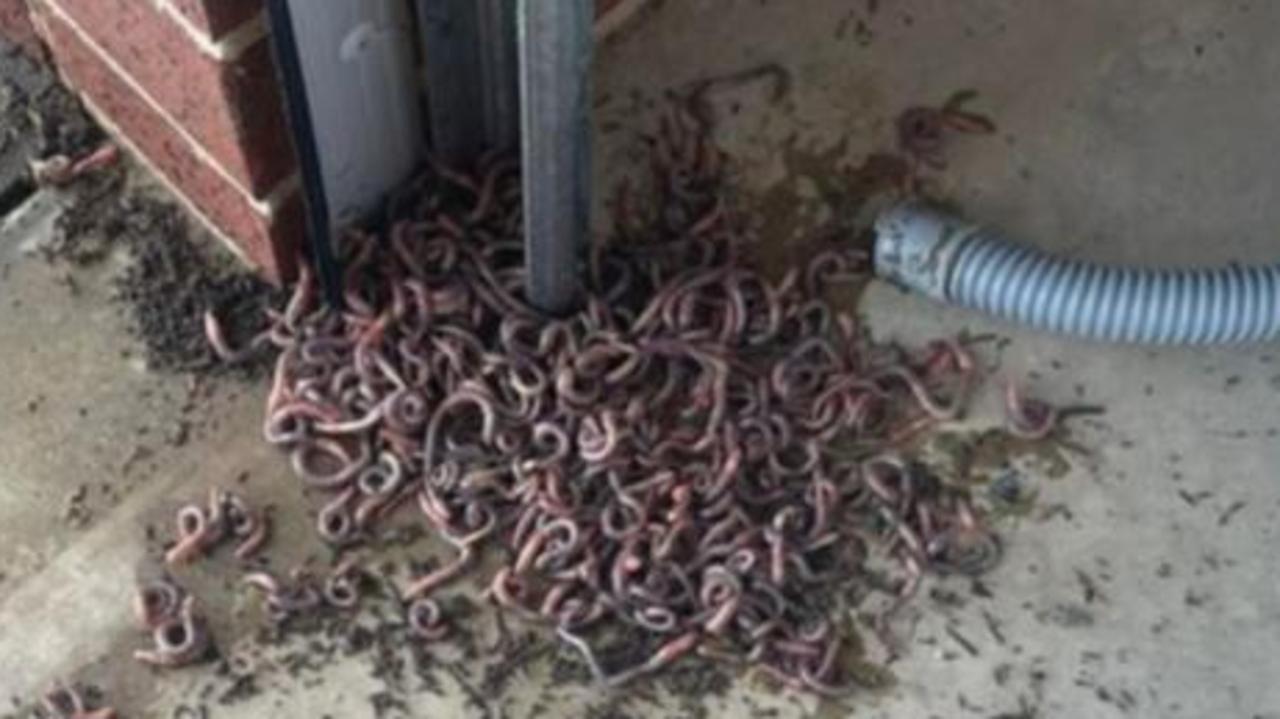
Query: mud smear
(822, 204)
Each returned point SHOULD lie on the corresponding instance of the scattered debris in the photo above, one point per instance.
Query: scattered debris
(75, 512)
(172, 283)
(1230, 512)
(67, 702)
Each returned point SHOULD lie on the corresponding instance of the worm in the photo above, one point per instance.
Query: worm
(193, 532)
(343, 466)
(425, 620)
(342, 586)
(335, 522)
(156, 602)
(1026, 417)
(218, 341)
(431, 581)
(179, 641)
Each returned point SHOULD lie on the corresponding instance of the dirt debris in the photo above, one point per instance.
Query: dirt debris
(39, 119)
(172, 280)
(173, 272)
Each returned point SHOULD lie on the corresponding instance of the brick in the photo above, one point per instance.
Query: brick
(268, 242)
(15, 27)
(217, 17)
(233, 109)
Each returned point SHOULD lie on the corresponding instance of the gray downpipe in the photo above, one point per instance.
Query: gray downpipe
(924, 249)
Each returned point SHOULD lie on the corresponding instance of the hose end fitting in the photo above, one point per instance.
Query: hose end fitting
(915, 246)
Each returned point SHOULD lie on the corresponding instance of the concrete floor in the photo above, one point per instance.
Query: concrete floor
(1127, 133)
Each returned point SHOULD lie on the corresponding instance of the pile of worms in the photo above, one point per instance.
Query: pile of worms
(705, 451)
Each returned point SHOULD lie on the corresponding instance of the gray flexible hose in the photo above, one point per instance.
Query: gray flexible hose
(926, 250)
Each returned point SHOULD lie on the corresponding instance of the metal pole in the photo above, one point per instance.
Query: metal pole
(500, 70)
(450, 30)
(555, 67)
(319, 232)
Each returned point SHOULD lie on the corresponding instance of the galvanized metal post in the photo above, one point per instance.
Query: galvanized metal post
(319, 230)
(472, 76)
(450, 30)
(500, 72)
(555, 70)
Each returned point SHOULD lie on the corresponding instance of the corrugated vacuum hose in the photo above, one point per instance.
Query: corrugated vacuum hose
(926, 250)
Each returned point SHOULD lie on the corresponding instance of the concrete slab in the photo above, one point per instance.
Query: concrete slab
(1144, 589)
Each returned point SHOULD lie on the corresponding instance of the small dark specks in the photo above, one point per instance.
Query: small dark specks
(863, 34)
(963, 702)
(1198, 50)
(1231, 434)
(962, 640)
(1275, 382)
(1080, 390)
(1272, 432)
(993, 626)
(1194, 498)
(1232, 381)
(1149, 390)
(1089, 587)
(1176, 476)
(1231, 511)
(1066, 615)
(842, 27)
(1165, 570)
(1266, 359)
(1126, 444)
(1195, 599)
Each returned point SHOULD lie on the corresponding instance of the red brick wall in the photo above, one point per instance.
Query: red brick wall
(15, 26)
(189, 85)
